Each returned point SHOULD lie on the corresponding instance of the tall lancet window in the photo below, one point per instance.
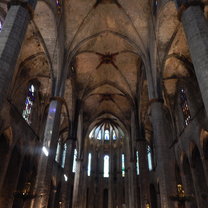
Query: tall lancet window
(99, 136)
(123, 165)
(149, 157)
(114, 135)
(106, 166)
(1, 25)
(137, 162)
(58, 151)
(59, 6)
(107, 135)
(74, 161)
(89, 164)
(185, 107)
(29, 101)
(64, 156)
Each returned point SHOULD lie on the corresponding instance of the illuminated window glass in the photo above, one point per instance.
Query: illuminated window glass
(107, 135)
(91, 134)
(185, 107)
(155, 4)
(58, 152)
(137, 162)
(74, 161)
(64, 156)
(1, 25)
(149, 157)
(99, 135)
(58, 6)
(89, 164)
(123, 165)
(114, 135)
(106, 166)
(29, 104)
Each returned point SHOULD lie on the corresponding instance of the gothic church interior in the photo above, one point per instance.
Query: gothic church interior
(104, 104)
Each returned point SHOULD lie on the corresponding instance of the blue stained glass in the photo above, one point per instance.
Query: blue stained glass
(29, 104)
(107, 135)
(26, 102)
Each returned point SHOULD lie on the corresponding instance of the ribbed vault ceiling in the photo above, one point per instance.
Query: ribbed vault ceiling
(106, 41)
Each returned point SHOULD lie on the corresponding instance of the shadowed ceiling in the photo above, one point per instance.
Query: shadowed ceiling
(107, 40)
(105, 45)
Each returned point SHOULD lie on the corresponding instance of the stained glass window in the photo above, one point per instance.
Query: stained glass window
(29, 104)
(185, 107)
(107, 135)
(123, 165)
(1, 26)
(137, 162)
(58, 152)
(106, 131)
(114, 135)
(155, 4)
(99, 135)
(89, 164)
(58, 5)
(64, 156)
(106, 166)
(74, 161)
(149, 157)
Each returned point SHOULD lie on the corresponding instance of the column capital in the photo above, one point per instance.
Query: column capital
(186, 5)
(28, 5)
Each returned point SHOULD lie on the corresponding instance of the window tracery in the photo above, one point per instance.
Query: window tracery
(106, 131)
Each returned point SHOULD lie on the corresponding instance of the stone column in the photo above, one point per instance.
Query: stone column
(11, 180)
(66, 186)
(187, 181)
(200, 186)
(165, 165)
(120, 183)
(132, 179)
(196, 30)
(110, 189)
(144, 174)
(11, 38)
(45, 163)
(53, 197)
(4, 167)
(76, 198)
